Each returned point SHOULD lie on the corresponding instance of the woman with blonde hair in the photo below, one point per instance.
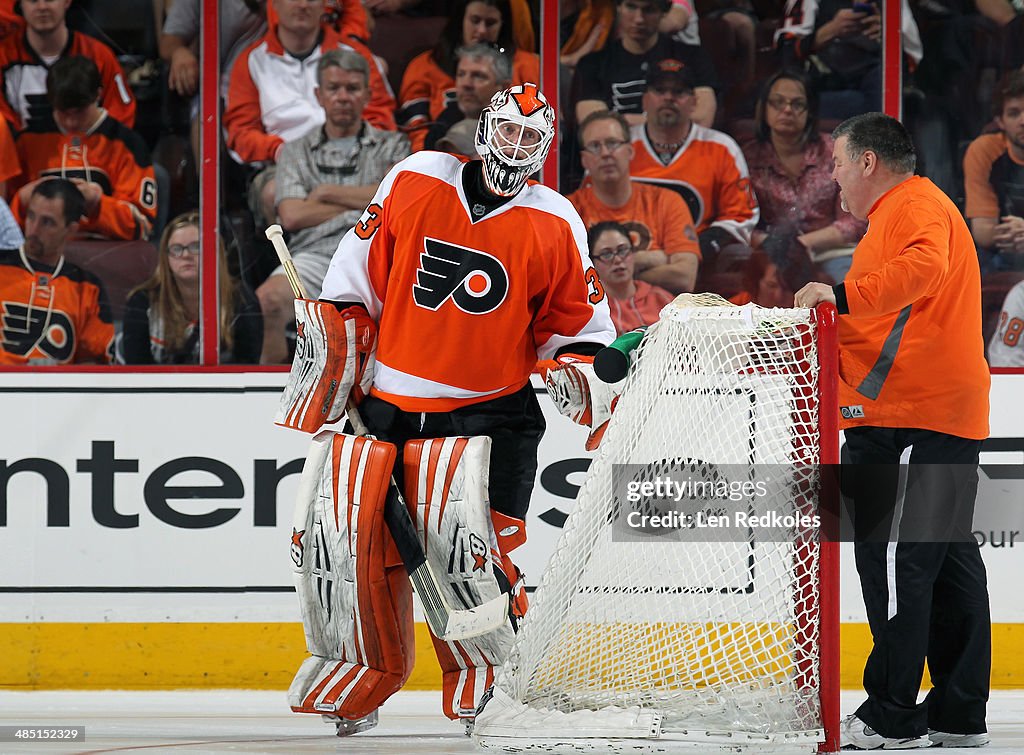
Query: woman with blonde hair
(161, 319)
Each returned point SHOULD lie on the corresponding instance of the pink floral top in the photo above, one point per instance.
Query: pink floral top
(809, 202)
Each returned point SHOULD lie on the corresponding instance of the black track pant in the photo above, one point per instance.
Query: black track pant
(925, 598)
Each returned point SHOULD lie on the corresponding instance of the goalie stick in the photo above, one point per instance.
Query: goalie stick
(445, 622)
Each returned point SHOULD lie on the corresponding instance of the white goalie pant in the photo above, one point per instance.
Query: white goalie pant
(354, 592)
(446, 479)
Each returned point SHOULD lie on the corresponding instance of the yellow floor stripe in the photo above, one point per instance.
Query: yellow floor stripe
(265, 656)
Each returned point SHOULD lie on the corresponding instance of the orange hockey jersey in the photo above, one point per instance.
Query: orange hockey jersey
(52, 315)
(111, 155)
(709, 172)
(24, 102)
(657, 218)
(465, 309)
(427, 90)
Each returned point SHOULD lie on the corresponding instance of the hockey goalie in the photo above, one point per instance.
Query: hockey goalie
(459, 277)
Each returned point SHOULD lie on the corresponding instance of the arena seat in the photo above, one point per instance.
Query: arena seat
(120, 265)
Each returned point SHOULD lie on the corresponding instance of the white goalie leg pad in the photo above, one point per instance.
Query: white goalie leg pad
(446, 479)
(354, 595)
(333, 352)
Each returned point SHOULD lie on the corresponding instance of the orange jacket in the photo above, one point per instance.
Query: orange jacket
(910, 348)
(657, 218)
(111, 155)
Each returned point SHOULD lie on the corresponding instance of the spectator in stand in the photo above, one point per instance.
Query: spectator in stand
(428, 85)
(664, 244)
(994, 181)
(54, 312)
(482, 71)
(271, 100)
(631, 302)
(705, 166)
(613, 79)
(106, 160)
(162, 316)
(791, 168)
(325, 180)
(838, 44)
(1005, 348)
(762, 283)
(26, 58)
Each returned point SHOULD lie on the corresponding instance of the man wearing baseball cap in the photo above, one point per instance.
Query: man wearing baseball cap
(706, 167)
(614, 78)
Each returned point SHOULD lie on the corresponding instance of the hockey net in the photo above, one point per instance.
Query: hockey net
(658, 641)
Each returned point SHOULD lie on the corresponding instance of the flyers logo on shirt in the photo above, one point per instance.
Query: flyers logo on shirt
(26, 328)
(476, 282)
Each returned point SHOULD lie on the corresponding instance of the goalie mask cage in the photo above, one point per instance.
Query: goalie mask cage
(659, 646)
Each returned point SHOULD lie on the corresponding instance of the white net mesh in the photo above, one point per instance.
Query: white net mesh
(709, 636)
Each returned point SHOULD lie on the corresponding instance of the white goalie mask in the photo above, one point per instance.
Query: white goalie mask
(513, 137)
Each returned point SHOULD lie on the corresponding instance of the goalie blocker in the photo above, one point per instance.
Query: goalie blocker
(355, 597)
(334, 355)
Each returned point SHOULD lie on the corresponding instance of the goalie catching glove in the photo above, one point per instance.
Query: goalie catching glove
(579, 394)
(334, 357)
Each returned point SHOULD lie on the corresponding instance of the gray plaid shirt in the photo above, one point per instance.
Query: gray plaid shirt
(314, 159)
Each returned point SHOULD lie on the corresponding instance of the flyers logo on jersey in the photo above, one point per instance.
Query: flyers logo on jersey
(25, 328)
(527, 100)
(475, 281)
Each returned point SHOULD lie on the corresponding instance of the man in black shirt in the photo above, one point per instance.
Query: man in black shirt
(614, 77)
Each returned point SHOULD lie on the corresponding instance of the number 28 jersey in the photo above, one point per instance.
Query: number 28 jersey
(465, 307)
